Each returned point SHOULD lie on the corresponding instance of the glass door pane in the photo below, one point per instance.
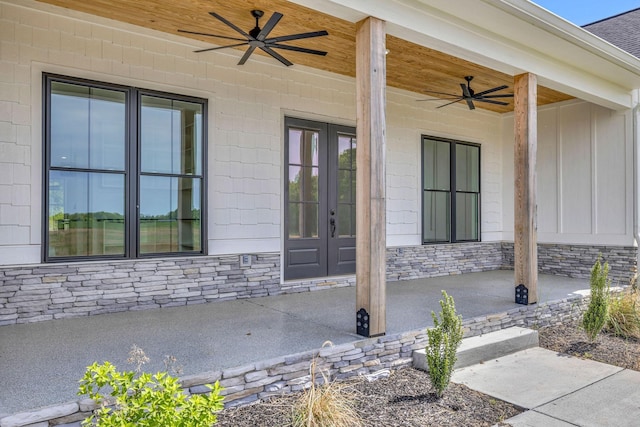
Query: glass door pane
(303, 183)
(346, 186)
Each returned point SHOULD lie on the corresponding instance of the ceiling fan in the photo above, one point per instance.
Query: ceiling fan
(258, 38)
(469, 95)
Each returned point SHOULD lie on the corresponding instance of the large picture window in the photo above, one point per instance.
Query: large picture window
(451, 191)
(123, 171)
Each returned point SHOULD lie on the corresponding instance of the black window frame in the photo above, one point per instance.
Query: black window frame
(452, 189)
(132, 171)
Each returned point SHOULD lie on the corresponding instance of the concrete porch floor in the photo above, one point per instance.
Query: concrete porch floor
(41, 363)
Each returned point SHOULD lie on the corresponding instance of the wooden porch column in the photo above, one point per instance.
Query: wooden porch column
(371, 244)
(526, 142)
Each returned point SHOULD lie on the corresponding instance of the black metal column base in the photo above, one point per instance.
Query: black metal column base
(362, 324)
(522, 294)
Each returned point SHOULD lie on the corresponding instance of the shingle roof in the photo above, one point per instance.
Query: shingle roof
(621, 30)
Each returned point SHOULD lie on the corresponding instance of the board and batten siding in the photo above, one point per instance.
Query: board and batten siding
(585, 175)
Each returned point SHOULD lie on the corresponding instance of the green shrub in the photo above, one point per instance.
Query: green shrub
(444, 339)
(595, 317)
(624, 315)
(146, 400)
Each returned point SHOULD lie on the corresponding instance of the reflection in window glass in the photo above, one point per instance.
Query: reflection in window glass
(86, 214)
(170, 134)
(467, 168)
(303, 220)
(436, 165)
(169, 214)
(466, 216)
(93, 188)
(303, 147)
(436, 216)
(87, 127)
(451, 196)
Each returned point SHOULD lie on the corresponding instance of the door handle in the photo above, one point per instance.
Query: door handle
(332, 222)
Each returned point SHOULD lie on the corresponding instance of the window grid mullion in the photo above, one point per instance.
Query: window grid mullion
(453, 192)
(130, 172)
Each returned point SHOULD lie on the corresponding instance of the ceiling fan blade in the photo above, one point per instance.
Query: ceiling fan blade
(273, 21)
(276, 55)
(506, 95)
(470, 104)
(246, 55)
(219, 47)
(210, 35)
(495, 89)
(444, 105)
(489, 101)
(220, 18)
(297, 49)
(440, 93)
(296, 36)
(465, 90)
(457, 98)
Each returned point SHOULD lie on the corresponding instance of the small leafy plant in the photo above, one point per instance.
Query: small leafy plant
(145, 399)
(595, 317)
(444, 339)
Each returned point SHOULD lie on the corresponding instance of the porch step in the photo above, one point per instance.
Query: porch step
(486, 347)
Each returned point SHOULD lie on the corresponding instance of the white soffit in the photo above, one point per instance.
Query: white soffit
(510, 36)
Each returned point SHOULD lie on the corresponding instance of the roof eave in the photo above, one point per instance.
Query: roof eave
(527, 39)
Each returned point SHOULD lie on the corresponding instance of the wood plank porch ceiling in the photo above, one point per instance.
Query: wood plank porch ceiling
(409, 66)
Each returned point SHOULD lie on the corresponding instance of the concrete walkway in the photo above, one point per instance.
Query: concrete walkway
(558, 390)
(41, 363)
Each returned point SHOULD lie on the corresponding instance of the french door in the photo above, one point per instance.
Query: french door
(320, 199)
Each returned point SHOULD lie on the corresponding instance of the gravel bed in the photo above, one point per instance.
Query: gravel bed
(406, 398)
(607, 348)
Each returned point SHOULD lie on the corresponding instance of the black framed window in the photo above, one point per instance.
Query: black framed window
(124, 171)
(451, 191)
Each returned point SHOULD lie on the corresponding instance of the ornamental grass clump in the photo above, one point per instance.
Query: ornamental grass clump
(142, 399)
(624, 315)
(444, 339)
(595, 317)
(325, 403)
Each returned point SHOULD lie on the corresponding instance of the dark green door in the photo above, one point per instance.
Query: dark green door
(319, 199)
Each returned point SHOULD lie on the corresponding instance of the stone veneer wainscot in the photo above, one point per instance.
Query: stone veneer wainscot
(34, 293)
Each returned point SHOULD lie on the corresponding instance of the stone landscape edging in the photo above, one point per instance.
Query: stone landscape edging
(261, 380)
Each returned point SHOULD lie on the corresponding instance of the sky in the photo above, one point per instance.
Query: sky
(582, 12)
